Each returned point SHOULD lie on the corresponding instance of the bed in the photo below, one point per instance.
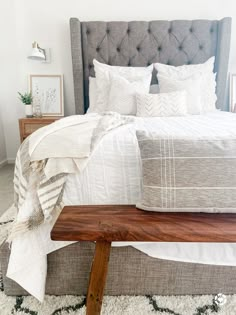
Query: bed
(132, 272)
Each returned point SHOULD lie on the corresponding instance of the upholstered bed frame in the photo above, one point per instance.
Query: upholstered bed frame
(138, 44)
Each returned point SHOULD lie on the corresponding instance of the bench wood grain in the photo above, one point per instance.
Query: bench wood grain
(127, 223)
(105, 224)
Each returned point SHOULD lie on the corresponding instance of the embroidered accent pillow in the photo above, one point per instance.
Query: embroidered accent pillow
(192, 86)
(122, 94)
(162, 105)
(208, 83)
(103, 71)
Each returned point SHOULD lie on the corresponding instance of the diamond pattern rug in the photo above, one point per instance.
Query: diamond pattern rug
(121, 305)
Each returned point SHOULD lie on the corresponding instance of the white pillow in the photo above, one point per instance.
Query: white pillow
(162, 104)
(208, 84)
(192, 86)
(92, 94)
(103, 71)
(154, 89)
(122, 93)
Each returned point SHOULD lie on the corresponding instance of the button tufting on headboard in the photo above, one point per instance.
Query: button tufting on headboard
(139, 43)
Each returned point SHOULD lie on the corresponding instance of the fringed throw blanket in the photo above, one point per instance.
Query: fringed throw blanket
(47, 156)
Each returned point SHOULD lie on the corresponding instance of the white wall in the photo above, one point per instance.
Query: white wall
(47, 22)
(8, 78)
(3, 153)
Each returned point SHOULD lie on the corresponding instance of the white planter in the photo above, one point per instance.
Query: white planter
(29, 110)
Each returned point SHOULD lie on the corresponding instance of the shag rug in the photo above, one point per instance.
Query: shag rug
(120, 305)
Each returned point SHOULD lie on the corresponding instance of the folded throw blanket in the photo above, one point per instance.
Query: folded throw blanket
(48, 155)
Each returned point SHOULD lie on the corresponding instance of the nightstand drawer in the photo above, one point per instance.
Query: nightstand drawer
(30, 128)
(29, 125)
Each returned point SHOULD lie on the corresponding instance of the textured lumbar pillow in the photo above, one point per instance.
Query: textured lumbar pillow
(103, 72)
(191, 85)
(122, 94)
(186, 173)
(162, 105)
(208, 82)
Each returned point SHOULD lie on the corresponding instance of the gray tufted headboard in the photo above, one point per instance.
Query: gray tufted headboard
(140, 43)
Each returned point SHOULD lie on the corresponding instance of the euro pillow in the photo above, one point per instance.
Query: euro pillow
(162, 105)
(122, 94)
(192, 86)
(103, 72)
(208, 84)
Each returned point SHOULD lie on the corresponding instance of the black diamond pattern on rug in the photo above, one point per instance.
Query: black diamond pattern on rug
(18, 308)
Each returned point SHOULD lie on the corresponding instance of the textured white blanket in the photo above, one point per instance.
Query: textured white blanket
(112, 176)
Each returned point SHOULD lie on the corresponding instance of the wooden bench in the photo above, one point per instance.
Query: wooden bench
(110, 223)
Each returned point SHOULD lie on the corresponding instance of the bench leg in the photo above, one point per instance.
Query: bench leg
(98, 276)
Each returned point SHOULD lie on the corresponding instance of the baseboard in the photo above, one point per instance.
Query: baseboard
(3, 163)
(11, 161)
(7, 161)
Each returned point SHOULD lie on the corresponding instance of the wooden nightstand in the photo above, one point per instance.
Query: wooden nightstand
(29, 125)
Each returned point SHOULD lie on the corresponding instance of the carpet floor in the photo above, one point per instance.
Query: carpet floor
(6, 187)
(120, 305)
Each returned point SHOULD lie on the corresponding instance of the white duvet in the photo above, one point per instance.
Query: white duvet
(112, 176)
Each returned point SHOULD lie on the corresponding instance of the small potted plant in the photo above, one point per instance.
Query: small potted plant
(27, 99)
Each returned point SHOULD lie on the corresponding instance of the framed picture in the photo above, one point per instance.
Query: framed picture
(47, 92)
(233, 92)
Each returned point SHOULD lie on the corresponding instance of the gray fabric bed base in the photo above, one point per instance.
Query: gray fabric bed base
(131, 272)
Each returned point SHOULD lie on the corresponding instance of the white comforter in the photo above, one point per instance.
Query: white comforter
(112, 176)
